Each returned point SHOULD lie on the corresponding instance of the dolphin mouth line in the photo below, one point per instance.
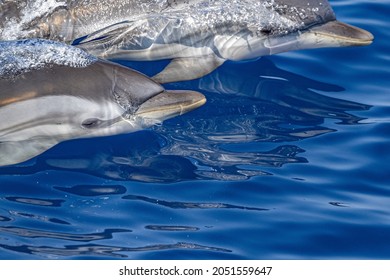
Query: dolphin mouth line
(346, 34)
(183, 108)
(170, 103)
(351, 41)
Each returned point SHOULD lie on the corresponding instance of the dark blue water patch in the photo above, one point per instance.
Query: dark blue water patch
(149, 68)
(350, 241)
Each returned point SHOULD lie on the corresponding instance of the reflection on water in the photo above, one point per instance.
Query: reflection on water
(296, 92)
(266, 107)
(249, 127)
(103, 250)
(32, 233)
(35, 201)
(189, 205)
(171, 228)
(41, 240)
(37, 217)
(90, 190)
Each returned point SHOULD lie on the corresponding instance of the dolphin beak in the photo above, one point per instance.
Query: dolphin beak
(169, 104)
(341, 34)
(330, 34)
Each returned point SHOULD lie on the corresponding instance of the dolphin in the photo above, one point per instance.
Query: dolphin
(197, 35)
(51, 92)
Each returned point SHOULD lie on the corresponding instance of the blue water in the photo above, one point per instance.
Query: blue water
(288, 159)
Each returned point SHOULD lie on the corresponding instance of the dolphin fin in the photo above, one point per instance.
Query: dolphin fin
(104, 36)
(188, 68)
(20, 151)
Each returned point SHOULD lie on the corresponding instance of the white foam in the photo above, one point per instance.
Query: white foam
(255, 15)
(18, 25)
(17, 57)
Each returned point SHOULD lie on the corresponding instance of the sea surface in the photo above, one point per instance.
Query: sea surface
(288, 159)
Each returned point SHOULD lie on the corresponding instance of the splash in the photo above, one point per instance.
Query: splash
(256, 16)
(23, 18)
(18, 57)
(21, 24)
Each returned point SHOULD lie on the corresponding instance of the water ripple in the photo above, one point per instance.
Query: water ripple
(171, 228)
(38, 217)
(104, 250)
(92, 190)
(36, 201)
(32, 233)
(190, 205)
(262, 109)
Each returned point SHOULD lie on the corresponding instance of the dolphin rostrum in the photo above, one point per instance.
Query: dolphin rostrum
(198, 35)
(51, 92)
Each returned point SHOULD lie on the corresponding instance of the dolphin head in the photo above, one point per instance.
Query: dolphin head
(52, 92)
(142, 103)
(319, 28)
(67, 93)
(284, 25)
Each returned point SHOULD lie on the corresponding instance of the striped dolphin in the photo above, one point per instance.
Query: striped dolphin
(198, 35)
(51, 92)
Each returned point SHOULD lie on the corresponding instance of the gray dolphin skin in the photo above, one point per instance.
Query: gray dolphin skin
(51, 92)
(198, 35)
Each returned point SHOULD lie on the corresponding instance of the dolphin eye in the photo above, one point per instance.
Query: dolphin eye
(91, 123)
